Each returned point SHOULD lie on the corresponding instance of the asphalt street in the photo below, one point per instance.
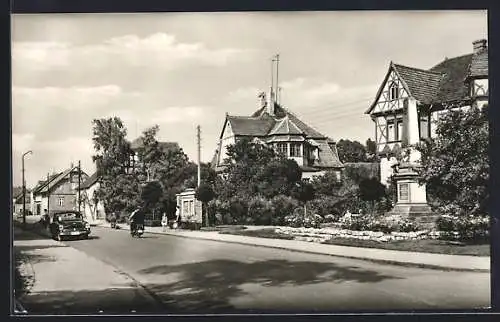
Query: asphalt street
(200, 276)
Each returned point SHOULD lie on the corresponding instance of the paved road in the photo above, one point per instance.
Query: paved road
(196, 276)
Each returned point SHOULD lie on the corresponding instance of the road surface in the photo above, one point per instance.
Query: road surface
(201, 276)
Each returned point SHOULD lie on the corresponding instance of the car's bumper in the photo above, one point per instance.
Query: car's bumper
(75, 233)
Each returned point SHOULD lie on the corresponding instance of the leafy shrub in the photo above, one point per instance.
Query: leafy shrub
(325, 205)
(283, 206)
(238, 210)
(385, 224)
(296, 219)
(330, 218)
(463, 227)
(260, 210)
(312, 221)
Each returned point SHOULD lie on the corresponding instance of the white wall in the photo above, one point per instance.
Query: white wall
(227, 139)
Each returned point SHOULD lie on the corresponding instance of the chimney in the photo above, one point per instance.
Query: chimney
(479, 45)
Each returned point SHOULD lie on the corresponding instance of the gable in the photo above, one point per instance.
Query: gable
(383, 102)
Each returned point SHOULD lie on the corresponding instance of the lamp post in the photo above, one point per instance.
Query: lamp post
(24, 188)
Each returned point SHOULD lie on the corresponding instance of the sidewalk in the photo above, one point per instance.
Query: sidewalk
(428, 260)
(54, 278)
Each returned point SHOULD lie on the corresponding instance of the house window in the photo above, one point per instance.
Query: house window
(295, 150)
(282, 148)
(424, 127)
(61, 201)
(393, 91)
(395, 130)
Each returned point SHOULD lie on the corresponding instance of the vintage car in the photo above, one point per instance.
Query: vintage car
(69, 224)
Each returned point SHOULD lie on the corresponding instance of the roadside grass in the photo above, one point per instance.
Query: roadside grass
(263, 233)
(425, 245)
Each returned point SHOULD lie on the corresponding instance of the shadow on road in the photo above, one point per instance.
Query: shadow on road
(109, 301)
(208, 287)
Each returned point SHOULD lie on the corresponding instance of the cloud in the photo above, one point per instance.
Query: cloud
(22, 142)
(50, 156)
(70, 98)
(159, 50)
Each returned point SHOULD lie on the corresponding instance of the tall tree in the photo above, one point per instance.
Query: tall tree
(118, 191)
(254, 168)
(351, 151)
(455, 164)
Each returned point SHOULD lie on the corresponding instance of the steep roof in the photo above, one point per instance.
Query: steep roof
(443, 83)
(90, 181)
(251, 126)
(42, 183)
(422, 84)
(282, 125)
(53, 180)
(285, 126)
(455, 71)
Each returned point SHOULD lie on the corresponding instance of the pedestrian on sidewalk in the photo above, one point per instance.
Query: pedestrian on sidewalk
(46, 218)
(164, 221)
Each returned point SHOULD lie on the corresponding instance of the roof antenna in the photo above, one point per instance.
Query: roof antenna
(277, 75)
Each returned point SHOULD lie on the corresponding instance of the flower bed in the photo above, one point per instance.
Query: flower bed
(322, 234)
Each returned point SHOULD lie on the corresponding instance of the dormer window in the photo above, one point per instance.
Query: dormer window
(393, 91)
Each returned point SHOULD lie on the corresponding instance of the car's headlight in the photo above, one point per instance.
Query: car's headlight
(61, 227)
(87, 225)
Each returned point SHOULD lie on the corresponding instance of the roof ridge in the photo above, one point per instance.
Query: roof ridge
(418, 69)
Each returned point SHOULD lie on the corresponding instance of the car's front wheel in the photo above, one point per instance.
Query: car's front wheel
(86, 236)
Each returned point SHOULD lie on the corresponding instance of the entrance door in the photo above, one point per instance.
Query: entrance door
(38, 209)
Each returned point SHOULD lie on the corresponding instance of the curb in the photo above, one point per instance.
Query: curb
(374, 260)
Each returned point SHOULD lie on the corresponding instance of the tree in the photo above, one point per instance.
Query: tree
(371, 150)
(118, 191)
(351, 151)
(455, 164)
(253, 168)
(304, 191)
(205, 193)
(371, 190)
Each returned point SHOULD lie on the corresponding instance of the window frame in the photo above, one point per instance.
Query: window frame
(60, 201)
(294, 145)
(393, 95)
(282, 147)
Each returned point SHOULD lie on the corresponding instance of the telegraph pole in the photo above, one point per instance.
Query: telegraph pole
(198, 139)
(48, 194)
(79, 183)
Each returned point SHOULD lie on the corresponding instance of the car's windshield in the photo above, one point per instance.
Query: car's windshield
(69, 216)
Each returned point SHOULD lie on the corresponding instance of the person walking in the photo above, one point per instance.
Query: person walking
(164, 221)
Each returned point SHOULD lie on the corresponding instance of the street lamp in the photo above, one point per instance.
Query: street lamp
(24, 188)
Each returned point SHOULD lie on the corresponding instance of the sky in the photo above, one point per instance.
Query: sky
(180, 70)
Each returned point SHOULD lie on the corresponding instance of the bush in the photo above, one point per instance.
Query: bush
(330, 218)
(295, 219)
(283, 206)
(325, 205)
(387, 224)
(312, 221)
(238, 210)
(463, 227)
(260, 210)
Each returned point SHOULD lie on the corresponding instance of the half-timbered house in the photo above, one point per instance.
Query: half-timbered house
(410, 100)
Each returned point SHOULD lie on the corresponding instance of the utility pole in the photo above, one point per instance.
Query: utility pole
(271, 94)
(24, 189)
(198, 139)
(48, 194)
(79, 184)
(277, 73)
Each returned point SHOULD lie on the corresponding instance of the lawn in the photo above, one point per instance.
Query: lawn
(263, 233)
(426, 245)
